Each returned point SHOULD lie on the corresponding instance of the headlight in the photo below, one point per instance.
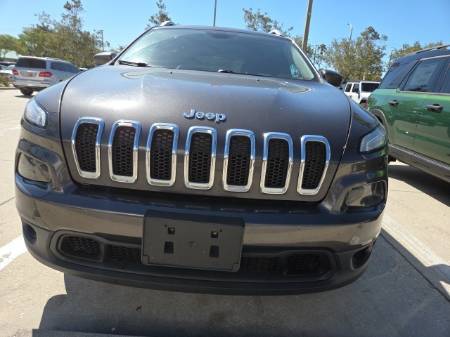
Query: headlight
(35, 114)
(374, 140)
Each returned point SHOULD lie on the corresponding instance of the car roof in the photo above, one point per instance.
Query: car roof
(222, 29)
(44, 58)
(424, 53)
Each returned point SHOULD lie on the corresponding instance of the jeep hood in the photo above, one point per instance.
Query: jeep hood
(260, 104)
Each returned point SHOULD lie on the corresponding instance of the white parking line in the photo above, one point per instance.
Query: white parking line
(12, 250)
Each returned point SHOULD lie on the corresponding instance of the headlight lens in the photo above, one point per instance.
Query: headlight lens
(374, 140)
(35, 114)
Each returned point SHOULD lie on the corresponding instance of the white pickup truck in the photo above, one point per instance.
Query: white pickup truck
(360, 91)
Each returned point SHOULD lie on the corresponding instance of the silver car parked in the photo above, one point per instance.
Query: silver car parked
(37, 73)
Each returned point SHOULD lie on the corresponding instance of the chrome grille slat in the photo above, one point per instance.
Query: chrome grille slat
(304, 140)
(212, 159)
(134, 151)
(88, 174)
(268, 137)
(173, 160)
(251, 161)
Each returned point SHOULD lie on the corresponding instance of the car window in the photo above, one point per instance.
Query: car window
(395, 75)
(424, 75)
(27, 62)
(231, 52)
(446, 84)
(355, 88)
(369, 87)
(347, 87)
(58, 66)
(63, 66)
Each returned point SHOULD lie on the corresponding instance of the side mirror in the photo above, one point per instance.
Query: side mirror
(331, 77)
(103, 57)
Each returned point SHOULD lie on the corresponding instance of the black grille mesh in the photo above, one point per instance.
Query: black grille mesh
(79, 246)
(85, 146)
(314, 164)
(200, 158)
(238, 161)
(277, 163)
(265, 265)
(161, 155)
(122, 151)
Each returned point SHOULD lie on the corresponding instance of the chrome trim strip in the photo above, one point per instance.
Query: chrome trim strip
(267, 137)
(303, 140)
(137, 127)
(98, 139)
(238, 132)
(200, 129)
(176, 131)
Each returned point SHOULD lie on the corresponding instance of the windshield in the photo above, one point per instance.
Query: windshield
(219, 51)
(369, 87)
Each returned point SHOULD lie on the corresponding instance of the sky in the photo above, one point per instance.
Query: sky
(403, 21)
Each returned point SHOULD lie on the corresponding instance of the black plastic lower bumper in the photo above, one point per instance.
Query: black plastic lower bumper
(344, 268)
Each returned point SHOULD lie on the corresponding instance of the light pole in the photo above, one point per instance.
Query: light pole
(307, 21)
(103, 43)
(215, 9)
(350, 26)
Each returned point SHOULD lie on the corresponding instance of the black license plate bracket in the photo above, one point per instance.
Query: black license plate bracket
(193, 241)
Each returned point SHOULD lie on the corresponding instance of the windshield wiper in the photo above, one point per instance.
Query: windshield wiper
(228, 71)
(134, 64)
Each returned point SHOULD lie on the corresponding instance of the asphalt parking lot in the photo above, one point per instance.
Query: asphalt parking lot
(405, 292)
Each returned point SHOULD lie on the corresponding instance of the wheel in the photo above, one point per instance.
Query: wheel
(26, 91)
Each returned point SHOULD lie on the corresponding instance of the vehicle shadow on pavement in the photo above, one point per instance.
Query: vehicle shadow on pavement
(390, 299)
(434, 187)
(23, 96)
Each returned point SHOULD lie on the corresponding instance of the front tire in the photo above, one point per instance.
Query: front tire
(26, 92)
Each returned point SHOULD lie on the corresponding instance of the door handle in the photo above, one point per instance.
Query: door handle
(434, 107)
(394, 102)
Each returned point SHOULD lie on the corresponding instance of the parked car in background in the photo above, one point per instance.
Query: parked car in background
(6, 71)
(360, 91)
(413, 103)
(37, 73)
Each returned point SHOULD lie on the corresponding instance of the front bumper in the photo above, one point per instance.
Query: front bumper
(118, 220)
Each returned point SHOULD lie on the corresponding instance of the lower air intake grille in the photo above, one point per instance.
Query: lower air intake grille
(161, 155)
(239, 161)
(78, 246)
(85, 146)
(122, 151)
(200, 158)
(314, 164)
(277, 163)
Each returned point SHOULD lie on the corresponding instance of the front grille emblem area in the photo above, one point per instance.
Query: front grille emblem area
(210, 116)
(198, 146)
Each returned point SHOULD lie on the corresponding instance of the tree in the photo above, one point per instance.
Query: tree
(63, 39)
(360, 59)
(162, 15)
(8, 43)
(410, 48)
(259, 21)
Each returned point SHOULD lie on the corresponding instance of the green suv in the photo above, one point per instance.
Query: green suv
(413, 104)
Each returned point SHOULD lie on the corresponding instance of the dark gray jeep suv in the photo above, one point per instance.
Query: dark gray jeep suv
(202, 159)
